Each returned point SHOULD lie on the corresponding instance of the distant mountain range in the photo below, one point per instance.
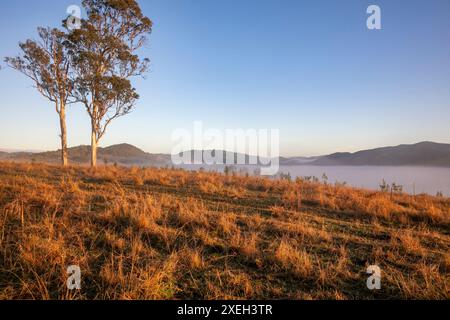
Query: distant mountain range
(420, 154)
(17, 150)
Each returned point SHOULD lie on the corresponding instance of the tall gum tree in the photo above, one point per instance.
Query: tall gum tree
(105, 59)
(46, 62)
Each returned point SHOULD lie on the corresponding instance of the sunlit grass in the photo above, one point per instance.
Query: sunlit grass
(168, 234)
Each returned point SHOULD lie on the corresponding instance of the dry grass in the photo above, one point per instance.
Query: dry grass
(169, 234)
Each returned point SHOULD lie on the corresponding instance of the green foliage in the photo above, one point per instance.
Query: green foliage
(393, 188)
(46, 62)
(396, 188)
(384, 187)
(104, 59)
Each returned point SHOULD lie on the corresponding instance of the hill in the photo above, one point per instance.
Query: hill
(122, 154)
(420, 154)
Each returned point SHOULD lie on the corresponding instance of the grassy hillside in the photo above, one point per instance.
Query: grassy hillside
(168, 234)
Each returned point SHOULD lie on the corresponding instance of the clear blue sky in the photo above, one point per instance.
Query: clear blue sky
(310, 68)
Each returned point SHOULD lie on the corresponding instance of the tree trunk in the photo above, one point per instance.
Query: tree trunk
(62, 122)
(93, 147)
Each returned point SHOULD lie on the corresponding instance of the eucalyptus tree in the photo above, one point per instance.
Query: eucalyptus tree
(47, 63)
(105, 59)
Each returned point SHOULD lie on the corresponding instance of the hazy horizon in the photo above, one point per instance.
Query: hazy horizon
(168, 153)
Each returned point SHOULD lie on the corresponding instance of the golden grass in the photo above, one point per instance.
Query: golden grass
(169, 234)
